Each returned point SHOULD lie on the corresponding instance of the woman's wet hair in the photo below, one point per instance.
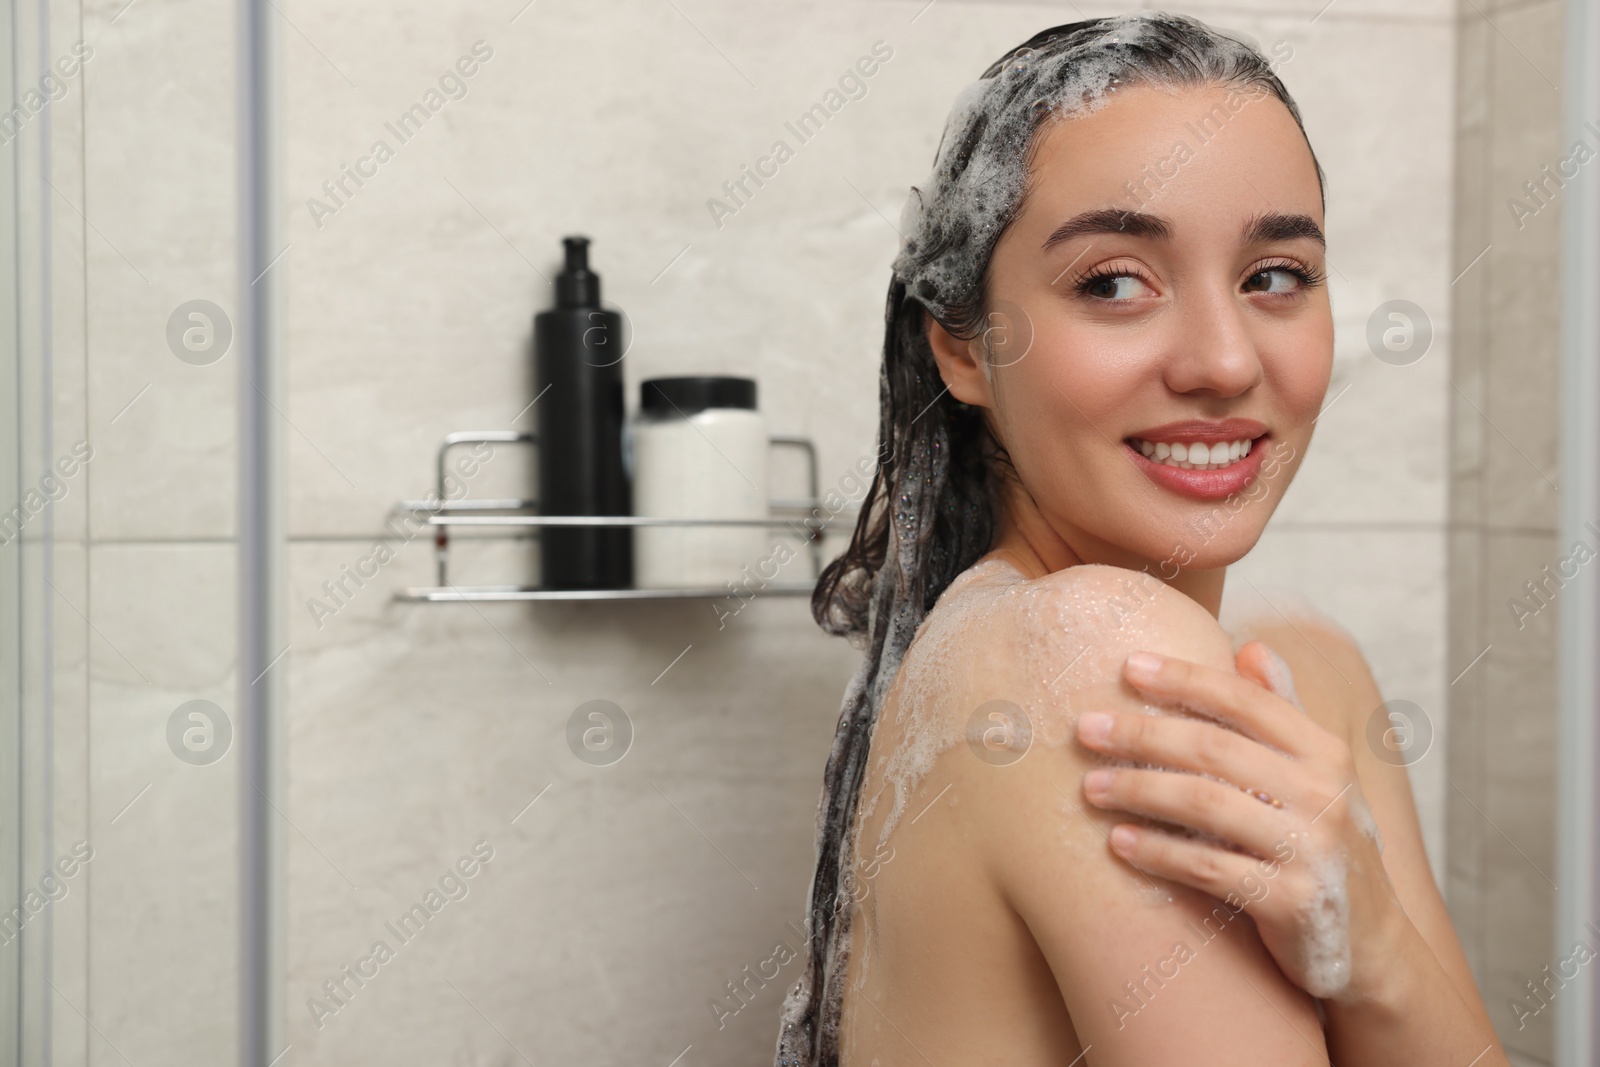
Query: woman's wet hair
(930, 512)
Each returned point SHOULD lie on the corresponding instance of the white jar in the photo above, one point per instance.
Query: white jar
(699, 450)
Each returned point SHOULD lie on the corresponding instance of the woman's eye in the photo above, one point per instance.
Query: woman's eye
(1113, 287)
(1290, 279)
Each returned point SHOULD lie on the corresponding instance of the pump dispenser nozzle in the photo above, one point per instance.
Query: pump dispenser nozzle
(577, 285)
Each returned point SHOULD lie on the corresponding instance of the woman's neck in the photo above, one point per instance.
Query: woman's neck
(1026, 540)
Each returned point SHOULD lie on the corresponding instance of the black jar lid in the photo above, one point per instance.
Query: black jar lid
(686, 396)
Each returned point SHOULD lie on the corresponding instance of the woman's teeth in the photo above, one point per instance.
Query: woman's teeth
(1196, 456)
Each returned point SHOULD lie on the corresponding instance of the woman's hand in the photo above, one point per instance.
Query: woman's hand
(1284, 835)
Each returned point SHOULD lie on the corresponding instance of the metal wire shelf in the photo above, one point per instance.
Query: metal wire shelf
(519, 513)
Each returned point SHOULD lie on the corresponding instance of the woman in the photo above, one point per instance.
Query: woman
(1108, 339)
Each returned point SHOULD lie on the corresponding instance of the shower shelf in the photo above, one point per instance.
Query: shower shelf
(516, 513)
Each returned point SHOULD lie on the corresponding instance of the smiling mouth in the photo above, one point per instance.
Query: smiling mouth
(1195, 455)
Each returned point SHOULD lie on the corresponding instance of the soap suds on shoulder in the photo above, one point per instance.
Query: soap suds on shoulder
(1055, 626)
(934, 666)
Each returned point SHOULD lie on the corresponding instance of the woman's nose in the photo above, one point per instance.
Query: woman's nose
(1214, 348)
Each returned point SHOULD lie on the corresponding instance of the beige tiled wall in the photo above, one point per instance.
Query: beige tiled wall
(620, 902)
(1504, 509)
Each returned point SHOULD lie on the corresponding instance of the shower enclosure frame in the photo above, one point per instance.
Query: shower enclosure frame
(1578, 652)
(261, 574)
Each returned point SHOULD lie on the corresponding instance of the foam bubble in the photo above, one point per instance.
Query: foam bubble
(1326, 928)
(927, 676)
(1361, 815)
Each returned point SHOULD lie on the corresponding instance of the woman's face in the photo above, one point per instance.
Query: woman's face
(1153, 297)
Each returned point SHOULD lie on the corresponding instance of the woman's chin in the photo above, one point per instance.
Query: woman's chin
(1188, 548)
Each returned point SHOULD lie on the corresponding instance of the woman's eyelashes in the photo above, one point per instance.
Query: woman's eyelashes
(1093, 284)
(1308, 276)
(1100, 284)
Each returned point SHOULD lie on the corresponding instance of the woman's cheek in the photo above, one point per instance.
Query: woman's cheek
(1302, 374)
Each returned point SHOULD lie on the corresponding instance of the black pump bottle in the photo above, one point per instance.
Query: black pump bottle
(578, 349)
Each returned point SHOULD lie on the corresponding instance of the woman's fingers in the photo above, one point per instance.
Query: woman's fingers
(1234, 879)
(1226, 697)
(1216, 808)
(1184, 744)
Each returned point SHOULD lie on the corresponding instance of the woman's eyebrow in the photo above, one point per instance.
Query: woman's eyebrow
(1277, 226)
(1111, 220)
(1259, 229)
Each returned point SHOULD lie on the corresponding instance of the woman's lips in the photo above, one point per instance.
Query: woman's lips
(1203, 484)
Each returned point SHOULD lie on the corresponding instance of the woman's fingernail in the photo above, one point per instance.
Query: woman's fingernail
(1143, 665)
(1122, 838)
(1098, 780)
(1094, 726)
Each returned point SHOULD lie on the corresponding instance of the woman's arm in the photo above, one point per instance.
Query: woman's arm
(1151, 972)
(1397, 1002)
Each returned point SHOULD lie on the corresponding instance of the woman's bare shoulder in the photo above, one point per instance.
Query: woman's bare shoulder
(1292, 619)
(1061, 639)
(1004, 664)
(1332, 677)
(1013, 682)
(1053, 647)
(998, 646)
